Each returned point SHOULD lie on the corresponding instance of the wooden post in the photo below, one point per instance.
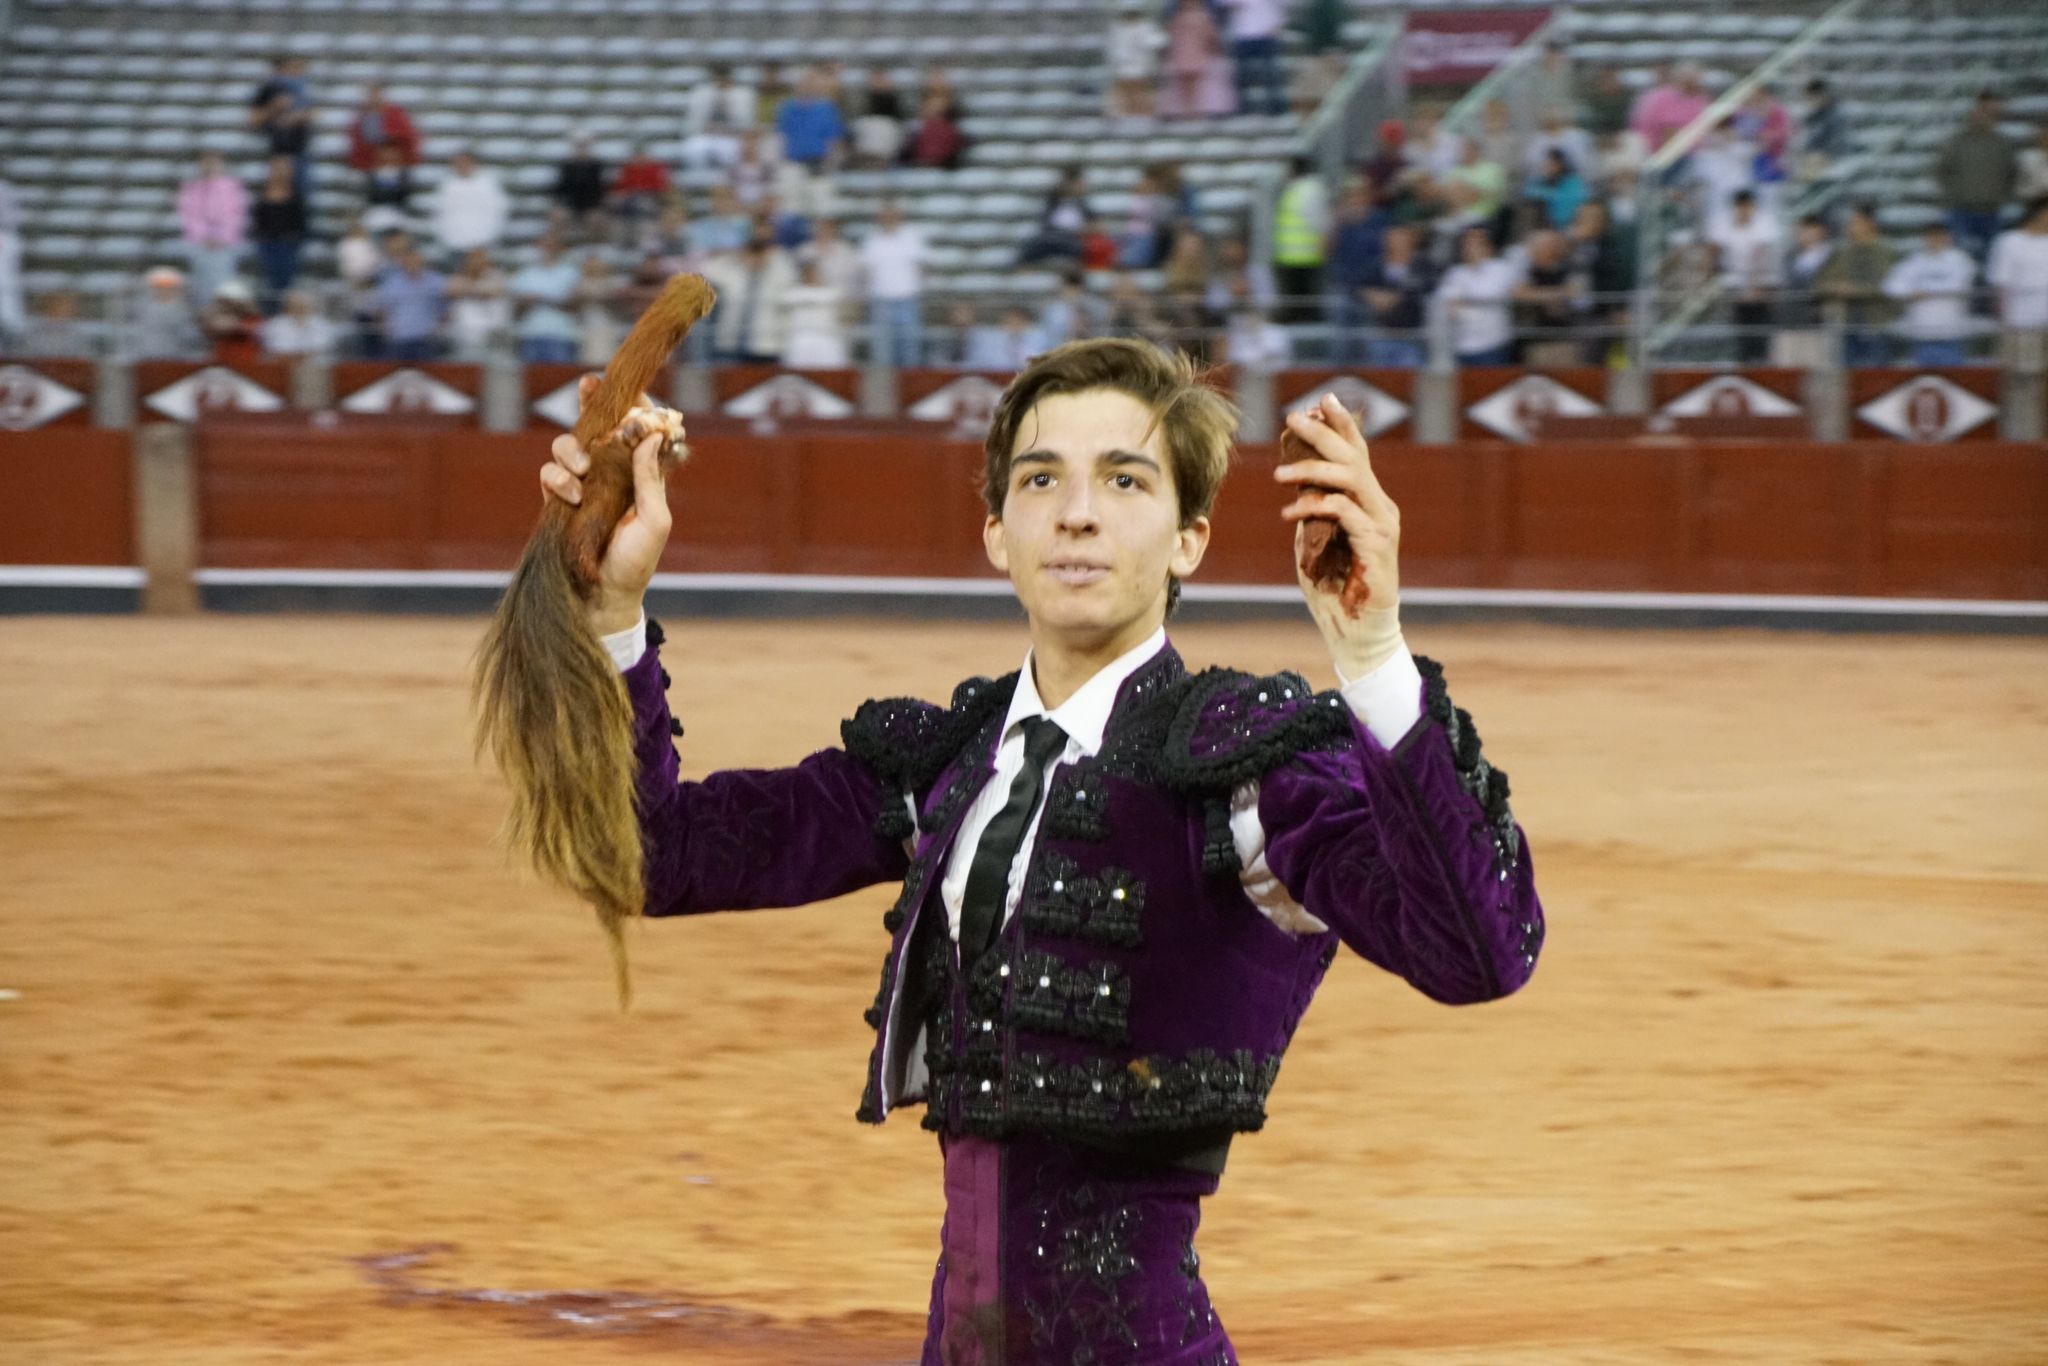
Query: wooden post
(166, 517)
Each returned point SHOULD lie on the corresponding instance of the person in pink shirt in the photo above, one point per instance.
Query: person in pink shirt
(213, 211)
(1669, 106)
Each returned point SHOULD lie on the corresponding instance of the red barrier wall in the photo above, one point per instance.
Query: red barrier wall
(69, 497)
(1887, 518)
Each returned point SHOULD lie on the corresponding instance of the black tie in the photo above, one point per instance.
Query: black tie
(988, 877)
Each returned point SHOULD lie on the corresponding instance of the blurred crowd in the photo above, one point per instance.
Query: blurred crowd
(1495, 244)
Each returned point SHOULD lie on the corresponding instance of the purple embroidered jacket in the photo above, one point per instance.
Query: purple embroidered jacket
(1136, 1002)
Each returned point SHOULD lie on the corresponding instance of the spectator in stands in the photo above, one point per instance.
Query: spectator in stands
(1476, 295)
(1005, 346)
(281, 112)
(724, 227)
(1072, 313)
(164, 327)
(387, 193)
(1255, 53)
(359, 260)
(1557, 192)
(1321, 26)
(1604, 254)
(1721, 167)
(544, 290)
(1475, 193)
(599, 329)
(756, 172)
(893, 255)
(753, 285)
(2033, 166)
(1935, 284)
(815, 332)
(669, 237)
(775, 91)
(639, 191)
(1559, 135)
(1252, 341)
(1060, 225)
(470, 207)
(479, 306)
(12, 305)
(878, 126)
(1851, 290)
(715, 113)
(1765, 126)
(1356, 240)
(939, 81)
(1135, 39)
(232, 322)
(1669, 106)
(1148, 226)
(1549, 301)
(412, 300)
(1134, 313)
(213, 214)
(2019, 270)
(1301, 231)
(377, 124)
(299, 329)
(1386, 169)
(56, 331)
(813, 142)
(1751, 253)
(1499, 141)
(1197, 71)
(1396, 296)
(1553, 84)
(1978, 170)
(1605, 101)
(1184, 287)
(278, 225)
(1433, 148)
(1823, 133)
(936, 142)
(579, 191)
(1234, 263)
(838, 262)
(1799, 341)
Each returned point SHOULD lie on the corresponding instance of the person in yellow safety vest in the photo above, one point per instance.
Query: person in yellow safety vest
(1301, 229)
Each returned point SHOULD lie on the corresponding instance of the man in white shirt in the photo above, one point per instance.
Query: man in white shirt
(1476, 297)
(1935, 284)
(1122, 882)
(299, 330)
(1752, 259)
(893, 255)
(470, 207)
(2018, 270)
(716, 111)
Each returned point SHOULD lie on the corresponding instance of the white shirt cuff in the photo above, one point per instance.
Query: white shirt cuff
(625, 647)
(1387, 701)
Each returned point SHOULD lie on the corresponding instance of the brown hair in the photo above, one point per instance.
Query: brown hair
(1198, 421)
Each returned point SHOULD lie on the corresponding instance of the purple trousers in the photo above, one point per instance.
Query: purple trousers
(1056, 1253)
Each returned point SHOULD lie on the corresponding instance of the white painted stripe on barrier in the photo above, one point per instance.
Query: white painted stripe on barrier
(1196, 592)
(71, 576)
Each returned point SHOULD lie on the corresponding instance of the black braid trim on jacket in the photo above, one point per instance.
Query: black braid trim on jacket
(909, 741)
(1234, 727)
(1487, 784)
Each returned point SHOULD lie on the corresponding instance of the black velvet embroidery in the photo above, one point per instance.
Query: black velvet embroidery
(1081, 1246)
(656, 637)
(1219, 845)
(1102, 1100)
(1062, 903)
(1077, 803)
(911, 741)
(1049, 997)
(1231, 728)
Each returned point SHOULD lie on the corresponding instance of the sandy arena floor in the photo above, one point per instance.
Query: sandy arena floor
(299, 1071)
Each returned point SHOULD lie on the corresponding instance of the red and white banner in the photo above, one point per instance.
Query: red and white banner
(1460, 47)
